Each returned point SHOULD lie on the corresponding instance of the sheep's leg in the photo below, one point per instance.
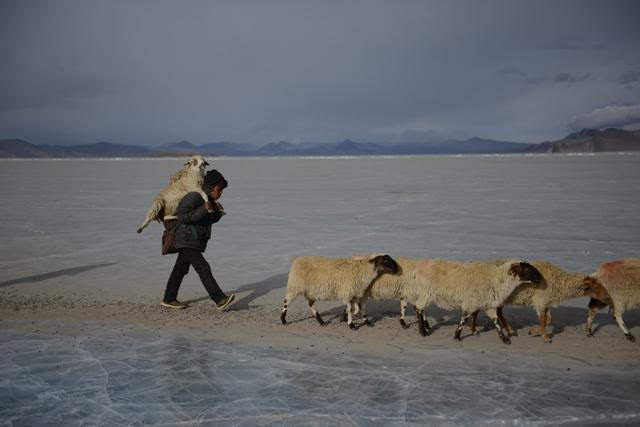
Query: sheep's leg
(403, 308)
(151, 215)
(594, 306)
(363, 310)
(503, 320)
(544, 318)
(204, 196)
(537, 330)
(283, 315)
(315, 312)
(425, 321)
(154, 211)
(424, 330)
(356, 310)
(463, 319)
(350, 315)
(618, 316)
(474, 323)
(493, 315)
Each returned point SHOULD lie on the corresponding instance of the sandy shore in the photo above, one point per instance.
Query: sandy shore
(380, 375)
(254, 320)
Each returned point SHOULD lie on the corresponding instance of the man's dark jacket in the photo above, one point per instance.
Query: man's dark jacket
(195, 221)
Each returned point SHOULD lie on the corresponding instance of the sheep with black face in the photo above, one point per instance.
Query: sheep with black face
(560, 285)
(345, 279)
(470, 286)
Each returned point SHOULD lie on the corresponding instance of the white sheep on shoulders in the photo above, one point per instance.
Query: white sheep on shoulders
(189, 178)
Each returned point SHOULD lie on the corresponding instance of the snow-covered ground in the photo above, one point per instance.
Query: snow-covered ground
(68, 233)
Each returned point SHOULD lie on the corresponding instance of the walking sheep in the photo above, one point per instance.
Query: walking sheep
(560, 285)
(187, 179)
(621, 282)
(469, 286)
(346, 279)
(392, 287)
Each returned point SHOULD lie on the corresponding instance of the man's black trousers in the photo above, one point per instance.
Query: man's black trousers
(187, 257)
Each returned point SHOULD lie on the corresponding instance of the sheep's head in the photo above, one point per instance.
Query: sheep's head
(592, 287)
(198, 163)
(384, 264)
(526, 273)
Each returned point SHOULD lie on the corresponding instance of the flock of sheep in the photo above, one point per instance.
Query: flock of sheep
(468, 286)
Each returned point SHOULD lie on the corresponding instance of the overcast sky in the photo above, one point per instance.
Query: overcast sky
(152, 72)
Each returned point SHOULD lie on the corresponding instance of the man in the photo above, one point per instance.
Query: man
(195, 218)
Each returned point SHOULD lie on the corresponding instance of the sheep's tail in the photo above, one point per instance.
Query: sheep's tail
(153, 213)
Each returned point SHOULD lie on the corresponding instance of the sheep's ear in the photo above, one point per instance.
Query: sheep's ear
(518, 269)
(587, 283)
(375, 257)
(515, 269)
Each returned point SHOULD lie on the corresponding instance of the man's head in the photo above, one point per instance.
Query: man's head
(214, 183)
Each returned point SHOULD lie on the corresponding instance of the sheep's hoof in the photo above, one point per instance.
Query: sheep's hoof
(283, 318)
(368, 323)
(630, 337)
(457, 336)
(547, 338)
(404, 324)
(505, 339)
(589, 333)
(344, 317)
(352, 326)
(319, 319)
(139, 230)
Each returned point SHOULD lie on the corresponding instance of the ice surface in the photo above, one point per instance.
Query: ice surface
(68, 228)
(74, 221)
(146, 380)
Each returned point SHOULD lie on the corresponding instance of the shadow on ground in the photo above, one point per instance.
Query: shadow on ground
(46, 276)
(521, 318)
(256, 290)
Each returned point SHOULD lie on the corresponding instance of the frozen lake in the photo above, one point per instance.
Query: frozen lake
(77, 218)
(146, 380)
(69, 232)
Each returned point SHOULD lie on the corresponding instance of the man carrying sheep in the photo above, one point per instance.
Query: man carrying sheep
(195, 217)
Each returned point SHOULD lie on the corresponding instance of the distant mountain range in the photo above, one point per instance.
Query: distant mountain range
(585, 141)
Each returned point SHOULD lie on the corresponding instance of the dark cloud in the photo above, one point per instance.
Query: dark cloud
(255, 71)
(609, 116)
(629, 77)
(571, 78)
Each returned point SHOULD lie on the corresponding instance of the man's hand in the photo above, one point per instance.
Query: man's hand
(220, 208)
(209, 206)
